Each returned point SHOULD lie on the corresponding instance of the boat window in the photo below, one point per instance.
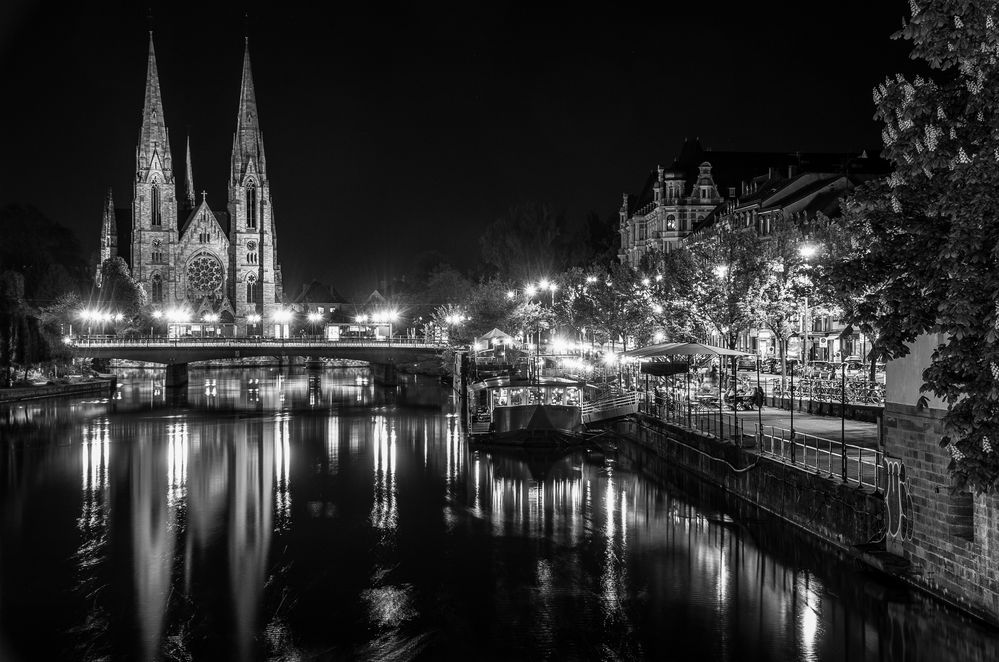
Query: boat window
(572, 396)
(502, 398)
(557, 396)
(516, 396)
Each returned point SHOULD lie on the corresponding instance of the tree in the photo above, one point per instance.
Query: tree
(532, 240)
(119, 291)
(670, 280)
(926, 244)
(613, 304)
(783, 281)
(726, 262)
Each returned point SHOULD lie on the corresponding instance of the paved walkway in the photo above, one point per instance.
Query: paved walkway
(828, 427)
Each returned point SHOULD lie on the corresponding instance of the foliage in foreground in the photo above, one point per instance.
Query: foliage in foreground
(924, 259)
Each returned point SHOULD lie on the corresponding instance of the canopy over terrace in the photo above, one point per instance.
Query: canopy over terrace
(685, 349)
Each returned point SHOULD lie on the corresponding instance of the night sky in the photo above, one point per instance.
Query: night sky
(394, 130)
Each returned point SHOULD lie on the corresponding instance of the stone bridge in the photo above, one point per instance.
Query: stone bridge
(177, 353)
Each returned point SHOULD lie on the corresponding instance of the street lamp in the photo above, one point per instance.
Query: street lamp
(806, 251)
(157, 316)
(314, 318)
(281, 318)
(253, 319)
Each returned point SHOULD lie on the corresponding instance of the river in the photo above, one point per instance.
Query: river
(286, 515)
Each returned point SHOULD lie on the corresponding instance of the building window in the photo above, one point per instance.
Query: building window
(204, 237)
(251, 252)
(157, 219)
(251, 289)
(157, 288)
(157, 257)
(251, 206)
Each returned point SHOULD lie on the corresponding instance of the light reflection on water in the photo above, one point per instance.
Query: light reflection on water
(269, 514)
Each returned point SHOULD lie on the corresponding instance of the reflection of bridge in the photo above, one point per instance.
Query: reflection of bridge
(176, 353)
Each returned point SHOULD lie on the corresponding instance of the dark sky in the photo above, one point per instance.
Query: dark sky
(394, 130)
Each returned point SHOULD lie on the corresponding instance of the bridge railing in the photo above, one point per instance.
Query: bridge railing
(277, 343)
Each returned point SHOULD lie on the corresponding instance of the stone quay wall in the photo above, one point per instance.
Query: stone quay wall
(841, 514)
(952, 538)
(54, 390)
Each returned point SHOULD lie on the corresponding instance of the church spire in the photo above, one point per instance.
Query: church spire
(189, 177)
(248, 144)
(109, 235)
(154, 149)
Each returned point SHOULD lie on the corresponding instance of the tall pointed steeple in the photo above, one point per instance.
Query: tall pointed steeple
(247, 143)
(154, 148)
(109, 234)
(189, 177)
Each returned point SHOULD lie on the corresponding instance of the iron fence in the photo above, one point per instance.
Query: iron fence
(851, 463)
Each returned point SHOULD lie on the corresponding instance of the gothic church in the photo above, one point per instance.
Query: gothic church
(183, 253)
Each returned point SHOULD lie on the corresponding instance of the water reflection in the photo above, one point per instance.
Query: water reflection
(272, 517)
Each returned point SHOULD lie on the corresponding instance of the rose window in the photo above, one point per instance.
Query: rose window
(204, 274)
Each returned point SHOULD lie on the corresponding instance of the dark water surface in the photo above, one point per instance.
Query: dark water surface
(287, 516)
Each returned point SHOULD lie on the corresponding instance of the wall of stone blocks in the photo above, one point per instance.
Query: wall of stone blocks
(955, 536)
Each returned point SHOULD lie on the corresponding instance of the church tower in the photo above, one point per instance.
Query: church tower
(254, 271)
(109, 235)
(154, 202)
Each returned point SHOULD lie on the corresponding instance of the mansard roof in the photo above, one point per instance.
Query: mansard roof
(730, 169)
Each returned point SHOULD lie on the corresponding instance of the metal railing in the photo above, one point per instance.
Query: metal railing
(222, 341)
(849, 462)
(610, 402)
(697, 417)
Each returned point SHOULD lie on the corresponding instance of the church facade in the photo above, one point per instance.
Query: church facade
(184, 254)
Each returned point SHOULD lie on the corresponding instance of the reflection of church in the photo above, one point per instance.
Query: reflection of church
(182, 252)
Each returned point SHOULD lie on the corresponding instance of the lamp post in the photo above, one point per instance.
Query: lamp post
(253, 319)
(314, 318)
(281, 318)
(806, 251)
(157, 315)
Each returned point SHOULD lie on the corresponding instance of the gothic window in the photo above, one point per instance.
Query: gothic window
(157, 219)
(204, 237)
(251, 206)
(251, 252)
(204, 274)
(671, 222)
(251, 289)
(157, 288)
(157, 257)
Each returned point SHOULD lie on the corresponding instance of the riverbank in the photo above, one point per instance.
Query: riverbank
(56, 390)
(847, 515)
